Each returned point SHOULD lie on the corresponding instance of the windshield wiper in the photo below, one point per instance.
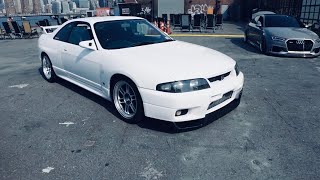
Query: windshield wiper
(147, 43)
(143, 43)
(168, 40)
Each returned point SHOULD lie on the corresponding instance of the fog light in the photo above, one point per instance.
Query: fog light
(182, 112)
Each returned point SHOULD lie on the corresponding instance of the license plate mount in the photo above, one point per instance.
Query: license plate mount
(225, 97)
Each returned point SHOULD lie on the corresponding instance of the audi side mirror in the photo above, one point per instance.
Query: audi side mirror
(259, 24)
(88, 45)
(307, 25)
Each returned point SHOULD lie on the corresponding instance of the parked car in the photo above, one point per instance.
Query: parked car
(143, 71)
(282, 35)
(259, 13)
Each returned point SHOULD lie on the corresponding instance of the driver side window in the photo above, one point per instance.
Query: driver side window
(64, 33)
(80, 32)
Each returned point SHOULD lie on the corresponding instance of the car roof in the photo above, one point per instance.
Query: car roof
(260, 13)
(93, 20)
(276, 15)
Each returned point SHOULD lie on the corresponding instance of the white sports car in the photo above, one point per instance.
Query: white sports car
(143, 71)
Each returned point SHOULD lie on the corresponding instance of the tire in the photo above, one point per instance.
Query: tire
(245, 39)
(47, 70)
(127, 101)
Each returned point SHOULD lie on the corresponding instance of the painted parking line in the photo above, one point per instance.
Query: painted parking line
(208, 35)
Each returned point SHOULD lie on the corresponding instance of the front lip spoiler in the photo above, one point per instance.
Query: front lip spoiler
(295, 54)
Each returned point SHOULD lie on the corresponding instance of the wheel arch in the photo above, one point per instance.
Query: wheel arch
(43, 54)
(118, 76)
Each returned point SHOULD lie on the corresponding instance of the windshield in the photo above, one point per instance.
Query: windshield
(281, 21)
(128, 33)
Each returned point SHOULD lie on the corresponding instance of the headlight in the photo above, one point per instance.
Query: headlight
(183, 86)
(236, 68)
(276, 38)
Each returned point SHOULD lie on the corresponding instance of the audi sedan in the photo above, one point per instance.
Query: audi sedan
(143, 71)
(282, 35)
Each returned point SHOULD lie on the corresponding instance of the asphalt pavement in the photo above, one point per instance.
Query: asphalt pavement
(60, 131)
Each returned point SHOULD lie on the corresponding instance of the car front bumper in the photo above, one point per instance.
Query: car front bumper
(281, 49)
(163, 106)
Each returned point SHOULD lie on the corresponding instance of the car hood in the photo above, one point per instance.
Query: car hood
(288, 32)
(152, 64)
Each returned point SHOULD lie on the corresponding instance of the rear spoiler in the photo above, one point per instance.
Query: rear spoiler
(48, 29)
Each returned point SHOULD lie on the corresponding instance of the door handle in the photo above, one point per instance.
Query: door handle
(65, 49)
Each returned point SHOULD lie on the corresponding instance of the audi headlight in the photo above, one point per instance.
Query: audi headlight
(236, 68)
(183, 86)
(276, 38)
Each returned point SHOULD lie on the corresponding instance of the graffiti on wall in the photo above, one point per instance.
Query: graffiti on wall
(200, 9)
(146, 10)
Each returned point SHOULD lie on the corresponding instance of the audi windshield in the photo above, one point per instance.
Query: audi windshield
(281, 21)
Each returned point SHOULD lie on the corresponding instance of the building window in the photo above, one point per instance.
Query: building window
(310, 11)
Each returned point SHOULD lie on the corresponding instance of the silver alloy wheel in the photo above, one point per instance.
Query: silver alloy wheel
(125, 99)
(46, 67)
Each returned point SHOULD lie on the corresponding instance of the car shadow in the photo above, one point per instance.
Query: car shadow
(85, 93)
(245, 46)
(250, 48)
(150, 123)
(173, 128)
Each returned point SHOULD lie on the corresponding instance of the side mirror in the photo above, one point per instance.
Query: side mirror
(88, 45)
(259, 24)
(307, 25)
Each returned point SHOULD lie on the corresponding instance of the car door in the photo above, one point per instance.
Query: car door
(82, 64)
(259, 30)
(250, 30)
(256, 31)
(59, 41)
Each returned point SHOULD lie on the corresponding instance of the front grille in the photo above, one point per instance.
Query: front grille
(220, 77)
(299, 45)
(308, 45)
